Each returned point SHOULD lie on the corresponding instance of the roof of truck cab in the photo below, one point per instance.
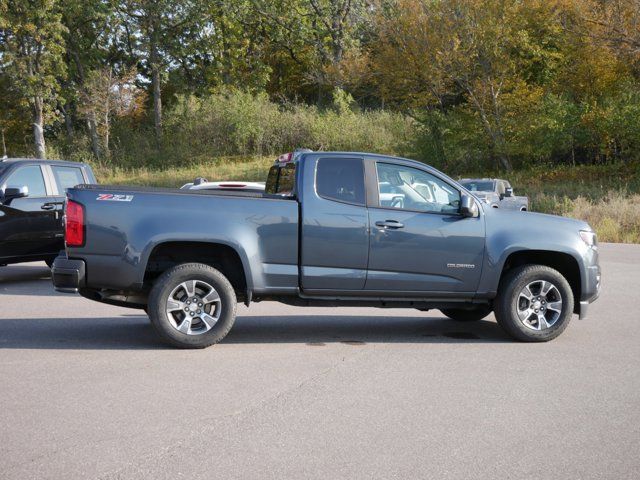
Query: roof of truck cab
(362, 154)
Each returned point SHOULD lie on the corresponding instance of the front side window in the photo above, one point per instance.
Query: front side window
(341, 179)
(67, 177)
(29, 176)
(408, 188)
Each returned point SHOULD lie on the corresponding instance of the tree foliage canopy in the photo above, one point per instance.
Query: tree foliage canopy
(496, 83)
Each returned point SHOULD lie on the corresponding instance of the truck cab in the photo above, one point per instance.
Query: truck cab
(356, 240)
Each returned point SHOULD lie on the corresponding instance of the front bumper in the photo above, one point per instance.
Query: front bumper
(594, 285)
(68, 275)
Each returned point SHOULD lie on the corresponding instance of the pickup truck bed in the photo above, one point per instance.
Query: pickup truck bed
(257, 226)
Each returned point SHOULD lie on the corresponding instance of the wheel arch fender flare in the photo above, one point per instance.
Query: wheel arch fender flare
(544, 254)
(160, 240)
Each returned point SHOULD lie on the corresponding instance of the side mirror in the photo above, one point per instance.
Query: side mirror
(11, 193)
(468, 206)
(508, 192)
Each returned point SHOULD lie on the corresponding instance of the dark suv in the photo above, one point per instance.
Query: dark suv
(32, 193)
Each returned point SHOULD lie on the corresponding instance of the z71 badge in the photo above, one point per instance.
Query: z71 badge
(112, 197)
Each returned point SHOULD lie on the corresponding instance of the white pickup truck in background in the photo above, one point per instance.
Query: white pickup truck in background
(496, 192)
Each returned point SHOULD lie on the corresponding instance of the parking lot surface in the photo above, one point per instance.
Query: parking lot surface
(87, 391)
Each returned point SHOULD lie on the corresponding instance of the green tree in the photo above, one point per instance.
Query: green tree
(32, 49)
(106, 95)
(309, 39)
(156, 31)
(92, 29)
(477, 55)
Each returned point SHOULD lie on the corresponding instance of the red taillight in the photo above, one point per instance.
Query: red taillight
(285, 157)
(74, 224)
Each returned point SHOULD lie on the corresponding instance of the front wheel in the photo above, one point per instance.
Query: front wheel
(534, 303)
(467, 315)
(192, 305)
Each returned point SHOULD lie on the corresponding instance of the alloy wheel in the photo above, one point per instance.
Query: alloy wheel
(539, 305)
(193, 307)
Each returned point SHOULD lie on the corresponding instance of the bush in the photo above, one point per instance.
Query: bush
(616, 217)
(198, 130)
(540, 128)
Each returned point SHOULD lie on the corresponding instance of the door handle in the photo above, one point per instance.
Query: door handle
(389, 224)
(48, 206)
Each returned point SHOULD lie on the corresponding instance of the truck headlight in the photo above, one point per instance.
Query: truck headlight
(589, 237)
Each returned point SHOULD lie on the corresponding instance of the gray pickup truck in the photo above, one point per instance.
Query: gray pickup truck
(325, 233)
(495, 192)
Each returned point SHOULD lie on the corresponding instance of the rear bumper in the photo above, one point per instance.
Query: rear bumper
(68, 275)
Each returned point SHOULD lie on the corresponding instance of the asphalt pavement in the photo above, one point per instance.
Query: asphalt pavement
(87, 391)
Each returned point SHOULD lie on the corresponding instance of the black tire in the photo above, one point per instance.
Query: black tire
(49, 262)
(173, 277)
(506, 303)
(467, 315)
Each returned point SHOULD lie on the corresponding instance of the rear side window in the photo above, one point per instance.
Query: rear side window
(67, 177)
(341, 179)
(29, 176)
(281, 180)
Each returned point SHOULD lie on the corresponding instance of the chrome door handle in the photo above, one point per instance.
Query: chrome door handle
(48, 206)
(389, 224)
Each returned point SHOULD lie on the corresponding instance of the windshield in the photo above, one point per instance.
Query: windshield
(477, 186)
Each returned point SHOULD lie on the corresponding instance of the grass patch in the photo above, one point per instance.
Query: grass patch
(616, 216)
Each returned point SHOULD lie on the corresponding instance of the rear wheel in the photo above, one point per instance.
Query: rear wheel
(534, 304)
(192, 305)
(467, 315)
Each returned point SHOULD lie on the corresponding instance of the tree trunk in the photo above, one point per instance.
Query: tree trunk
(93, 134)
(107, 119)
(107, 152)
(499, 133)
(91, 123)
(437, 137)
(226, 56)
(154, 63)
(38, 132)
(495, 135)
(68, 121)
(505, 162)
(157, 103)
(4, 145)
